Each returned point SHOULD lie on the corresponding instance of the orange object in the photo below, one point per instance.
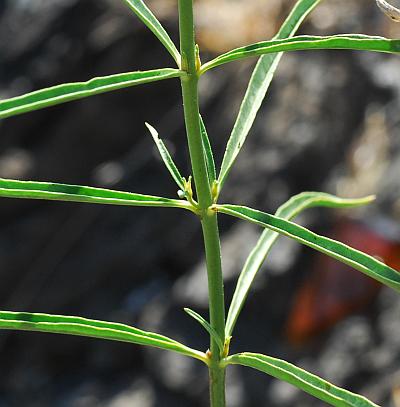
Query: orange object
(335, 290)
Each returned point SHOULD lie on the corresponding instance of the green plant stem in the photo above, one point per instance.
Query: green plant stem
(208, 218)
(191, 103)
(217, 308)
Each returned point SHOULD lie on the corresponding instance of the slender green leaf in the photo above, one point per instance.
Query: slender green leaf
(70, 325)
(258, 86)
(288, 211)
(307, 42)
(148, 18)
(72, 91)
(354, 258)
(166, 157)
(206, 325)
(78, 193)
(212, 176)
(300, 378)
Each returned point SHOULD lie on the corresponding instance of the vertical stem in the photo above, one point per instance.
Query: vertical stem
(191, 103)
(216, 304)
(208, 218)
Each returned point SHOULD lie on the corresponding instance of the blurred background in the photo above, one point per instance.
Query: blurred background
(330, 123)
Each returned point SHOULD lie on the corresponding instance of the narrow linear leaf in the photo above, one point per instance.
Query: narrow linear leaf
(148, 18)
(288, 211)
(354, 258)
(69, 325)
(300, 378)
(212, 175)
(213, 333)
(258, 86)
(305, 42)
(166, 157)
(78, 193)
(72, 91)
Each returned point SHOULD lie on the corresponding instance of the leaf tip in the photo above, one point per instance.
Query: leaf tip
(152, 130)
(190, 312)
(366, 199)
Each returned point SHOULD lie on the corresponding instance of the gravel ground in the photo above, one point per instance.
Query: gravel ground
(331, 124)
